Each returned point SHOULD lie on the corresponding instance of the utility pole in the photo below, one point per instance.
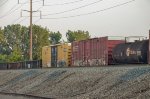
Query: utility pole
(149, 50)
(31, 30)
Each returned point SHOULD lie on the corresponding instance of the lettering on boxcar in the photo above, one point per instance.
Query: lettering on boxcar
(75, 48)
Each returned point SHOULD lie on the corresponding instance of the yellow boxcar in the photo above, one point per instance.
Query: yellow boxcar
(63, 55)
(58, 55)
(46, 56)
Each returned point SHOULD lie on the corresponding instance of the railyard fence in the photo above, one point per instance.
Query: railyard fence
(35, 64)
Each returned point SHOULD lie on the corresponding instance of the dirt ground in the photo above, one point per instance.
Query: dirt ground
(131, 82)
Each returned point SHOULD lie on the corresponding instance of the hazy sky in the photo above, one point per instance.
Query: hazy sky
(126, 20)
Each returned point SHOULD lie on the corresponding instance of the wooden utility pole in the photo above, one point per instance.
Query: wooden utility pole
(31, 37)
(149, 49)
(31, 30)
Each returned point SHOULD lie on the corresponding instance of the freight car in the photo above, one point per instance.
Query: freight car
(58, 55)
(100, 51)
(131, 53)
(94, 51)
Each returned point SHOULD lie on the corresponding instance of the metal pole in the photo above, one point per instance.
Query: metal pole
(30, 30)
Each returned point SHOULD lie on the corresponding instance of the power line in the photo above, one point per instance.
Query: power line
(20, 20)
(32, 2)
(68, 10)
(74, 8)
(39, 16)
(64, 3)
(15, 20)
(24, 18)
(7, 13)
(4, 3)
(29, 16)
(39, 8)
(36, 20)
(11, 10)
(42, 6)
(94, 11)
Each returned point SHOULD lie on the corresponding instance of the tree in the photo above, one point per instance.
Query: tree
(55, 37)
(14, 36)
(3, 58)
(40, 39)
(17, 41)
(16, 55)
(3, 55)
(1, 36)
(77, 35)
(25, 42)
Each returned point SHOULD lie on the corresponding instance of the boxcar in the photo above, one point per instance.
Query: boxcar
(58, 55)
(93, 52)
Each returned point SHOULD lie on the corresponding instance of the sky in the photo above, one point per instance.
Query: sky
(111, 19)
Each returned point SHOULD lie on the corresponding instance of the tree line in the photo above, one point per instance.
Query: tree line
(14, 41)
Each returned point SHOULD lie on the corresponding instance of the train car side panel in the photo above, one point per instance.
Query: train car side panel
(63, 55)
(93, 52)
(131, 53)
(111, 45)
(46, 56)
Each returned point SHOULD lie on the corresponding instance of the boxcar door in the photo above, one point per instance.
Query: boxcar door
(54, 56)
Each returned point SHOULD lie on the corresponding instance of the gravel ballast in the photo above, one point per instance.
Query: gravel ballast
(79, 83)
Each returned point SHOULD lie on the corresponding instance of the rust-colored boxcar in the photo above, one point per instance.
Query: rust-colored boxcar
(93, 52)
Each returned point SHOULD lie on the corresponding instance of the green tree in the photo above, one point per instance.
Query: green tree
(15, 42)
(16, 55)
(40, 39)
(77, 35)
(3, 49)
(1, 35)
(3, 58)
(14, 36)
(55, 37)
(25, 41)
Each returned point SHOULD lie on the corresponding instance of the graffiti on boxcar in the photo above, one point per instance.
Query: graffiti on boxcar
(98, 62)
(132, 52)
(61, 63)
(75, 48)
(92, 62)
